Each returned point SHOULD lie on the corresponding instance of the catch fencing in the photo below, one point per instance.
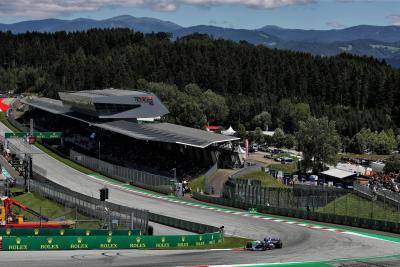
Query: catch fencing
(64, 232)
(94, 207)
(120, 216)
(304, 198)
(158, 183)
(321, 216)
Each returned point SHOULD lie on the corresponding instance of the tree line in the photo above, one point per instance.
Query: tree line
(205, 80)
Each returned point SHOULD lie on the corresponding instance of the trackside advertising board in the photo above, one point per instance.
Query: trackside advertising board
(108, 242)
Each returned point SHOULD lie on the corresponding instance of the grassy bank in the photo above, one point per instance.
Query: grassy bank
(266, 179)
(66, 161)
(3, 119)
(363, 156)
(288, 168)
(353, 205)
(197, 183)
(52, 210)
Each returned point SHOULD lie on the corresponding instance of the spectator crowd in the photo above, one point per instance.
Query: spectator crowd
(389, 181)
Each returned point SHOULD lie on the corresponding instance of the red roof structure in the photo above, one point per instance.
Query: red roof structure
(213, 128)
(3, 107)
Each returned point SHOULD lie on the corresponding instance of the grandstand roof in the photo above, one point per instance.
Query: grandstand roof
(107, 93)
(340, 174)
(48, 104)
(161, 132)
(166, 132)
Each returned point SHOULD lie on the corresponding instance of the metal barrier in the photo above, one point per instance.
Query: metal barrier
(207, 176)
(182, 224)
(387, 226)
(245, 170)
(128, 218)
(108, 242)
(146, 180)
(388, 196)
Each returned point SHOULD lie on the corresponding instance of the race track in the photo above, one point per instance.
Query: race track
(300, 243)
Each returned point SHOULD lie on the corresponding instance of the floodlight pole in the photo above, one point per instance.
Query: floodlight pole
(99, 154)
(174, 173)
(28, 159)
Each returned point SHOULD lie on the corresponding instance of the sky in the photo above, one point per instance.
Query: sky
(239, 14)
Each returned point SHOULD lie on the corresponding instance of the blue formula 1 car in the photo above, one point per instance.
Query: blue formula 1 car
(266, 244)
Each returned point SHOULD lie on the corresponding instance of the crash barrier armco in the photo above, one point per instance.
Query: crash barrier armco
(153, 182)
(393, 198)
(182, 224)
(18, 232)
(108, 242)
(387, 226)
(207, 176)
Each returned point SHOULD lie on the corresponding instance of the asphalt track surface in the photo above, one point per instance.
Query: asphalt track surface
(300, 243)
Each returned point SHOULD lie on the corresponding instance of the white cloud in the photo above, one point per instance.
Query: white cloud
(394, 19)
(335, 24)
(45, 8)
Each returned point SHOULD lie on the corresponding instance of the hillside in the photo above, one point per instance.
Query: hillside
(387, 34)
(354, 91)
(381, 42)
(82, 24)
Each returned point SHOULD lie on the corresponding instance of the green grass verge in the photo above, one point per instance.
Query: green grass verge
(197, 183)
(266, 179)
(229, 242)
(353, 205)
(288, 168)
(363, 156)
(51, 209)
(66, 161)
(3, 119)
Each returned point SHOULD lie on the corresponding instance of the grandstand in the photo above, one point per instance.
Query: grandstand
(123, 127)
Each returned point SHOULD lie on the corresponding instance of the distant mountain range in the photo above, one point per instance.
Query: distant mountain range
(382, 42)
(81, 24)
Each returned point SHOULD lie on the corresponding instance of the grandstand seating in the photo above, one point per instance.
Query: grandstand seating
(154, 157)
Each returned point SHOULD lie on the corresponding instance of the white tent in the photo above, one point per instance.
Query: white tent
(240, 150)
(230, 131)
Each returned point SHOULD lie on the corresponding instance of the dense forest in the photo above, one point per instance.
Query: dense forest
(356, 92)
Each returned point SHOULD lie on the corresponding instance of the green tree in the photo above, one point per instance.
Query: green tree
(289, 141)
(214, 107)
(319, 142)
(301, 111)
(259, 136)
(242, 131)
(383, 142)
(262, 120)
(278, 139)
(186, 112)
(193, 90)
